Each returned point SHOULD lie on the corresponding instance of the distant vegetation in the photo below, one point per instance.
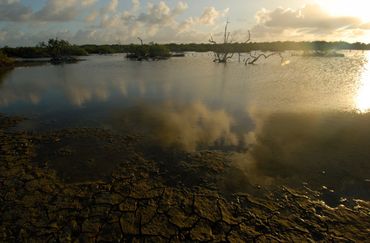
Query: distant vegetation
(58, 50)
(62, 51)
(103, 49)
(74, 50)
(148, 52)
(5, 61)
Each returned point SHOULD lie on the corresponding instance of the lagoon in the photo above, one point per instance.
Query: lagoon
(300, 121)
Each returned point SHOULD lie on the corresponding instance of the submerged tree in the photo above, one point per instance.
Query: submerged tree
(253, 58)
(224, 51)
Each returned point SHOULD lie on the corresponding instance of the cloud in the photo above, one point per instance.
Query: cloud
(92, 16)
(310, 16)
(135, 5)
(53, 10)
(56, 10)
(208, 17)
(132, 23)
(87, 2)
(160, 14)
(301, 23)
(158, 22)
(13, 10)
(112, 6)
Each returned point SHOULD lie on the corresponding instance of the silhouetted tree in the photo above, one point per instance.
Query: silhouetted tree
(226, 50)
(58, 48)
(223, 52)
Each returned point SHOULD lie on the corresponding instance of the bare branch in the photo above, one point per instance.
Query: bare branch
(229, 56)
(211, 40)
(225, 33)
(223, 52)
(140, 40)
(252, 59)
(228, 36)
(249, 37)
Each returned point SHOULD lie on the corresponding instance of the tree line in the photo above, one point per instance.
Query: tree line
(43, 50)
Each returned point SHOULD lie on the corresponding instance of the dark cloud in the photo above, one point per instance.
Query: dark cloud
(53, 10)
(13, 10)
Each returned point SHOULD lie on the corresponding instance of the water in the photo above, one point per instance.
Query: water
(110, 82)
(303, 119)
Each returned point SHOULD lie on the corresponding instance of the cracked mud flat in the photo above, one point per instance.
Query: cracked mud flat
(142, 198)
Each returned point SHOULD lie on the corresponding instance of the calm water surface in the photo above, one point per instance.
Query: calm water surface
(300, 116)
(105, 83)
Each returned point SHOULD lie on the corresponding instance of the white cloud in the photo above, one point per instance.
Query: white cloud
(112, 6)
(158, 22)
(180, 8)
(157, 17)
(209, 16)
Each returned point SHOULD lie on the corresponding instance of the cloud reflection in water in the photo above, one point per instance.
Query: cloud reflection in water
(328, 148)
(180, 126)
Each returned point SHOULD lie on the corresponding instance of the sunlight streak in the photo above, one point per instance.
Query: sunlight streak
(362, 99)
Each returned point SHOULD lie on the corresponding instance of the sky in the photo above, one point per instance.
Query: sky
(28, 22)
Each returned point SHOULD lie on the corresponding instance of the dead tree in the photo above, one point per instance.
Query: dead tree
(223, 52)
(253, 58)
(141, 41)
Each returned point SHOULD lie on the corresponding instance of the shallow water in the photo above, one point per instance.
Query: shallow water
(105, 83)
(303, 119)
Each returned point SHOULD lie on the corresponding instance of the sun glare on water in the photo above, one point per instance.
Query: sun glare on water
(362, 99)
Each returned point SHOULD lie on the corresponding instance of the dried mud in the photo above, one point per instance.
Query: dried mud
(48, 194)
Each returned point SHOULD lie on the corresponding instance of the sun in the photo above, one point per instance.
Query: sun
(353, 8)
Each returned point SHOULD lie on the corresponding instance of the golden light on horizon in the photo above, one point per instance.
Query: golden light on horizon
(362, 99)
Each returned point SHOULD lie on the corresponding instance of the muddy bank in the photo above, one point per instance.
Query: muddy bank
(137, 197)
